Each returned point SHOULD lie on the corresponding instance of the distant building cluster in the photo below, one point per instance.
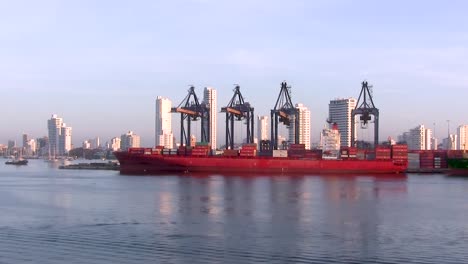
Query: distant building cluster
(58, 141)
(419, 138)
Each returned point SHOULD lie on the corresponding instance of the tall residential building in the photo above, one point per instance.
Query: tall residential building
(65, 137)
(25, 140)
(129, 140)
(86, 144)
(304, 125)
(54, 125)
(95, 143)
(31, 146)
(262, 128)
(450, 143)
(11, 144)
(462, 137)
(163, 124)
(115, 143)
(209, 98)
(419, 138)
(339, 112)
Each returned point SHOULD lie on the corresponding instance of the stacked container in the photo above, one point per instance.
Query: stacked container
(314, 154)
(348, 152)
(455, 154)
(361, 154)
(185, 150)
(426, 160)
(169, 151)
(157, 150)
(248, 150)
(296, 150)
(231, 153)
(279, 153)
(136, 150)
(382, 153)
(201, 149)
(400, 153)
(413, 160)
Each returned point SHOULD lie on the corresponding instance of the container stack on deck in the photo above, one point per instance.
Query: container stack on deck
(348, 153)
(201, 149)
(296, 151)
(314, 154)
(248, 150)
(400, 153)
(428, 160)
(231, 153)
(383, 153)
(280, 153)
(185, 151)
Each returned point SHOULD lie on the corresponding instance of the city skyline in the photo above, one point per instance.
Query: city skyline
(104, 79)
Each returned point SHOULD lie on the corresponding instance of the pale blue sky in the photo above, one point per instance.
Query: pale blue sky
(101, 64)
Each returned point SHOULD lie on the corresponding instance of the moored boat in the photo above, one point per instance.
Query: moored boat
(17, 162)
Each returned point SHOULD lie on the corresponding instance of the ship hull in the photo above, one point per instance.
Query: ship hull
(163, 164)
(458, 167)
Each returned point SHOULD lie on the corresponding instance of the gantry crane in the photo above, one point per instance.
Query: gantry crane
(191, 109)
(365, 110)
(238, 110)
(284, 112)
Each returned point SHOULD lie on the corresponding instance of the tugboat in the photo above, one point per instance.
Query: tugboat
(17, 162)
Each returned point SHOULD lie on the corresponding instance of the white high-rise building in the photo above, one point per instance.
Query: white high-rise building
(419, 138)
(462, 137)
(86, 144)
(304, 125)
(163, 128)
(54, 125)
(262, 128)
(65, 140)
(339, 112)
(129, 140)
(115, 143)
(209, 97)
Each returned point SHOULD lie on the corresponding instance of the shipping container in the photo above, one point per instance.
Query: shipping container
(280, 153)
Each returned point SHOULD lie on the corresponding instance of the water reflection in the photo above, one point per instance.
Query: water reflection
(212, 218)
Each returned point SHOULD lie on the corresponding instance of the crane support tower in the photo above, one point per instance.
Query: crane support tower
(365, 110)
(284, 112)
(191, 109)
(237, 110)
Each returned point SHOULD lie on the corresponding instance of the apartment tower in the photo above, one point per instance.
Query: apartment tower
(339, 112)
(262, 128)
(304, 126)
(209, 98)
(163, 128)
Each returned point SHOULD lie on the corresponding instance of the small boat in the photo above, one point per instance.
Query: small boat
(17, 162)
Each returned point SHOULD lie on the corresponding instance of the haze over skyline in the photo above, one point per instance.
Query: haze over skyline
(101, 64)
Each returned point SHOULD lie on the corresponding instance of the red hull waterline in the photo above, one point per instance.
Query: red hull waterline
(131, 163)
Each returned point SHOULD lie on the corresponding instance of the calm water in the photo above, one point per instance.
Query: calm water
(58, 216)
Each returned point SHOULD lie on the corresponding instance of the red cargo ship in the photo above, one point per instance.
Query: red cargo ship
(247, 160)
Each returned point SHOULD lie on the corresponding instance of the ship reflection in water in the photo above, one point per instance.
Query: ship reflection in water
(200, 218)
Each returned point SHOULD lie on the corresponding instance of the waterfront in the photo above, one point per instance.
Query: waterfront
(67, 216)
